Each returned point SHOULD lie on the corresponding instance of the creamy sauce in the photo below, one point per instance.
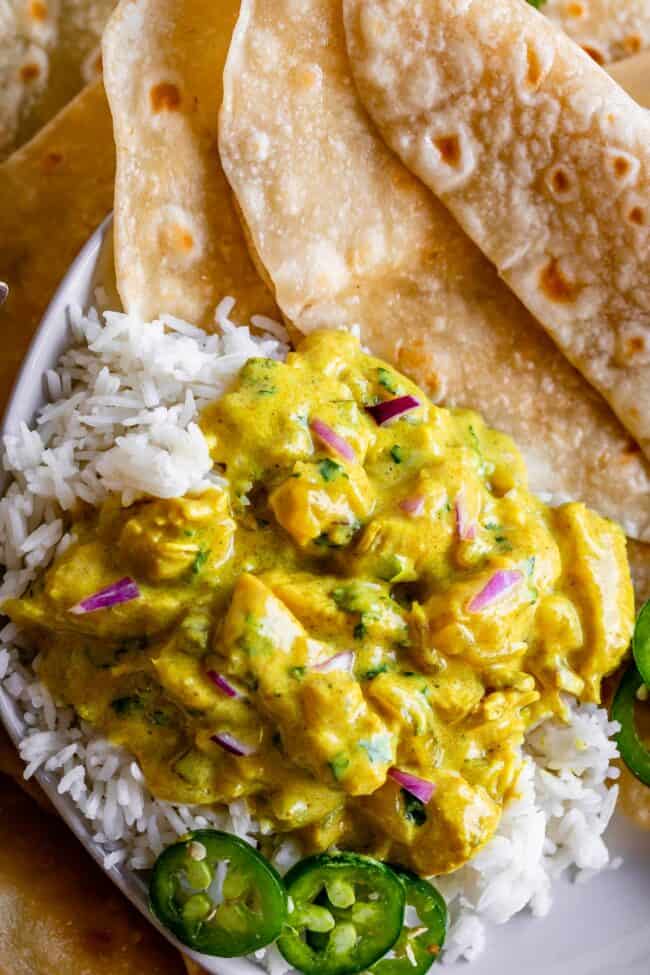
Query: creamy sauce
(463, 606)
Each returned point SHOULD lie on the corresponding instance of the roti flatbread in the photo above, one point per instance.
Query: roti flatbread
(541, 157)
(608, 30)
(59, 913)
(49, 49)
(348, 236)
(179, 246)
(54, 192)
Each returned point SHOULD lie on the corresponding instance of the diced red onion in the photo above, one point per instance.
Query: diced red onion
(233, 745)
(413, 506)
(331, 439)
(390, 408)
(220, 681)
(422, 789)
(122, 591)
(341, 661)
(501, 582)
(466, 529)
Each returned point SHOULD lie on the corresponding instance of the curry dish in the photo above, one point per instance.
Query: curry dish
(358, 597)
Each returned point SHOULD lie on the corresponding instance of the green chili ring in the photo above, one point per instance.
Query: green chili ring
(249, 911)
(633, 751)
(418, 948)
(641, 642)
(347, 911)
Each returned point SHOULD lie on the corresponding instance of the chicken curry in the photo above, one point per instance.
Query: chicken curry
(367, 595)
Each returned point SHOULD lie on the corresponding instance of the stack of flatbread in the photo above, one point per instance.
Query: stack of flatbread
(457, 177)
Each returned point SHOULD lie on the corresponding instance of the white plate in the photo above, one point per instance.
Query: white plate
(601, 928)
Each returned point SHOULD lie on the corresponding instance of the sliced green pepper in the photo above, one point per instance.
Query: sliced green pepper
(347, 911)
(418, 946)
(217, 894)
(641, 642)
(633, 752)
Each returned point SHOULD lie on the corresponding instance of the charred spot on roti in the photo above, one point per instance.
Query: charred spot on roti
(306, 78)
(534, 61)
(176, 238)
(575, 10)
(180, 238)
(632, 345)
(596, 52)
(561, 182)
(534, 72)
(622, 166)
(29, 72)
(449, 148)
(446, 156)
(555, 285)
(51, 160)
(38, 10)
(632, 43)
(636, 215)
(165, 96)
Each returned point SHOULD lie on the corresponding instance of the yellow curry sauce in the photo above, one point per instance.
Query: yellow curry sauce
(302, 554)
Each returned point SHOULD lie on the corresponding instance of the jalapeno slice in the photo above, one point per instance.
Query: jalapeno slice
(347, 911)
(633, 752)
(641, 642)
(217, 894)
(423, 934)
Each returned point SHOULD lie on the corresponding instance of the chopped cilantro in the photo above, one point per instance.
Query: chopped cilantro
(253, 640)
(297, 672)
(359, 631)
(323, 541)
(158, 718)
(386, 379)
(339, 765)
(537, 3)
(199, 561)
(329, 469)
(397, 453)
(414, 809)
(375, 672)
(127, 705)
(377, 748)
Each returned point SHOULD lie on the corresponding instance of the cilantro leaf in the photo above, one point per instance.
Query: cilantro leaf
(339, 765)
(329, 469)
(414, 809)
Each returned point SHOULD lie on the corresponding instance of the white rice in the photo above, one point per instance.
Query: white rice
(122, 417)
